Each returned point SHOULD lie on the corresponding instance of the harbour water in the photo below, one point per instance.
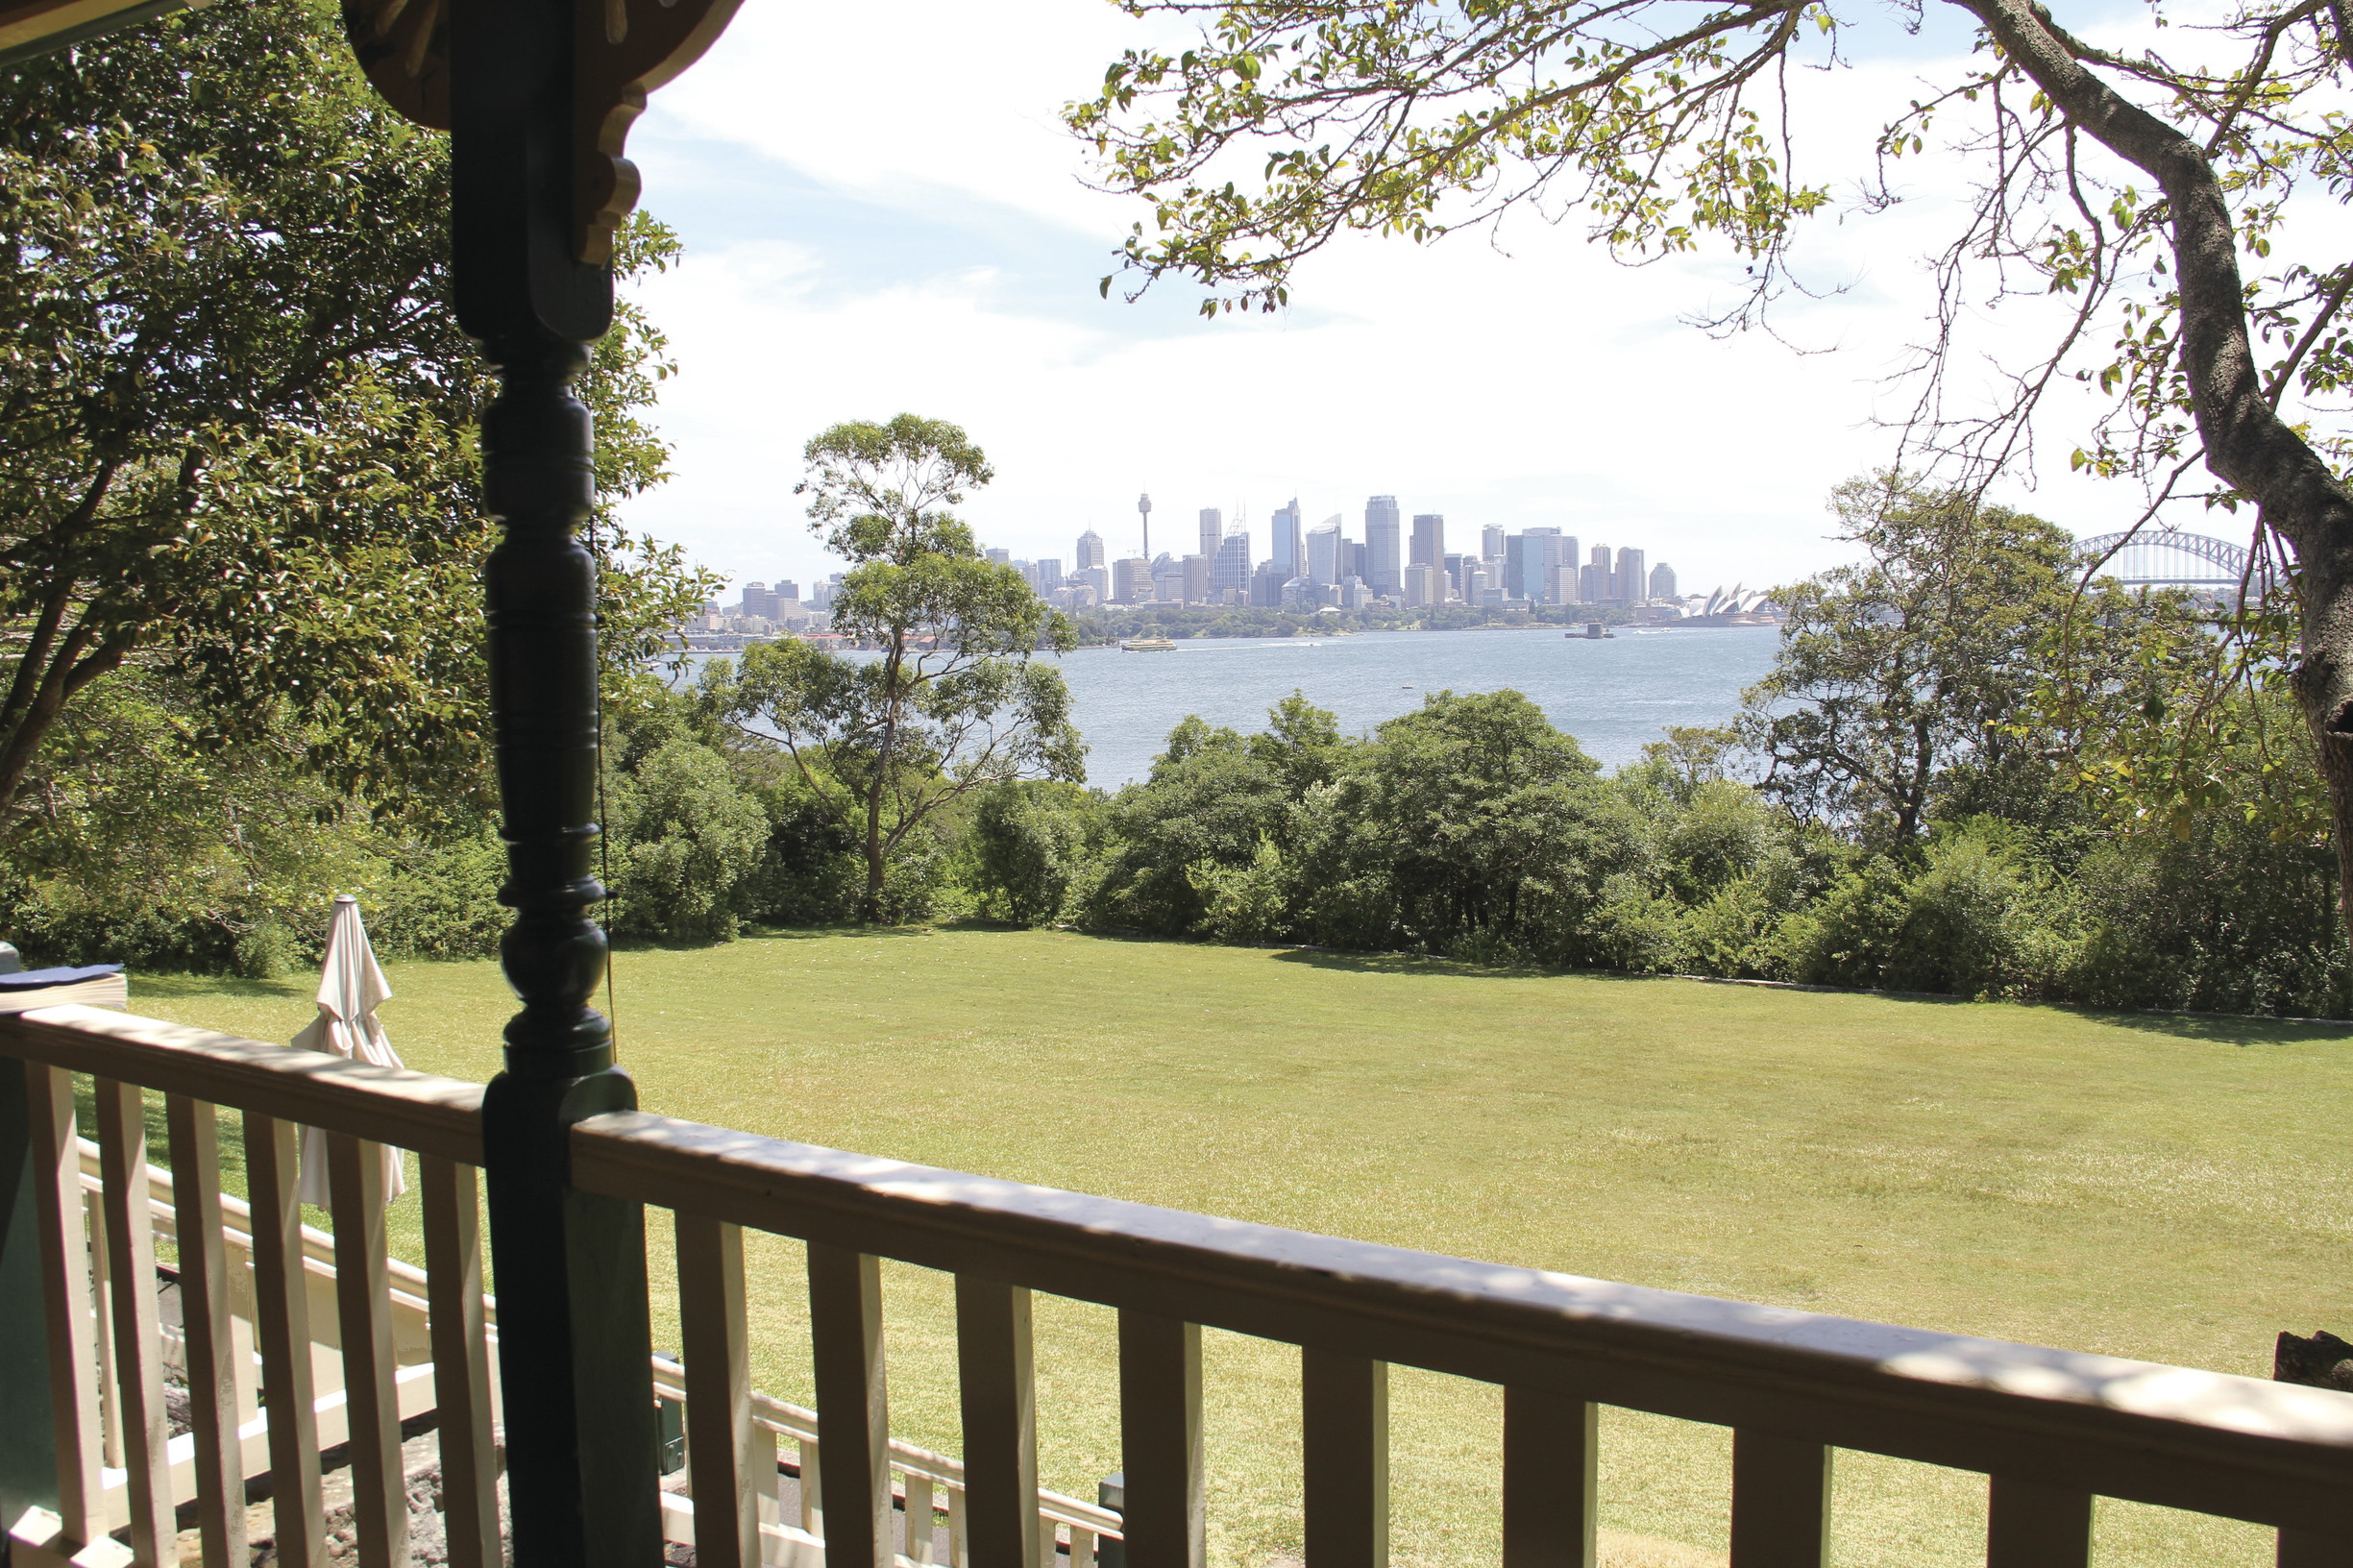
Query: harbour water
(1615, 695)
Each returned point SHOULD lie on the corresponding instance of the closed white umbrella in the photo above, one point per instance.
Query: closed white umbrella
(350, 988)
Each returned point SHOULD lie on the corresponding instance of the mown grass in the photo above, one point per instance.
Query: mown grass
(2169, 1189)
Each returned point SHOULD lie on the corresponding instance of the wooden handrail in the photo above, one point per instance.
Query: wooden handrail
(418, 1111)
(2244, 1448)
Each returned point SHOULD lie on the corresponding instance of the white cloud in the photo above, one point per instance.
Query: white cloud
(881, 214)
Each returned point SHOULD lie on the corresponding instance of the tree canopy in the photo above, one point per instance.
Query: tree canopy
(238, 420)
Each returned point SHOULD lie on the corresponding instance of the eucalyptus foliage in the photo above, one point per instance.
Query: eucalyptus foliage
(951, 699)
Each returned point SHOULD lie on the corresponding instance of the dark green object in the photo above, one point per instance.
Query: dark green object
(28, 1455)
(669, 1430)
(1110, 1492)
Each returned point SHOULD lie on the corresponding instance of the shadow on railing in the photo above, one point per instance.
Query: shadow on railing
(2051, 1430)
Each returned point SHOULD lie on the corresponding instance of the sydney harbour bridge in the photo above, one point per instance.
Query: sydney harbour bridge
(2157, 558)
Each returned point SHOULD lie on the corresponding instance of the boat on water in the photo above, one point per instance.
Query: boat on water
(1594, 632)
(1149, 644)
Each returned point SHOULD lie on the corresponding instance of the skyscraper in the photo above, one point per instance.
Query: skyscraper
(1232, 566)
(1490, 543)
(1384, 560)
(1662, 581)
(1422, 585)
(1428, 546)
(1324, 553)
(1049, 575)
(1090, 549)
(1288, 555)
(1633, 583)
(1213, 532)
(1131, 580)
(997, 557)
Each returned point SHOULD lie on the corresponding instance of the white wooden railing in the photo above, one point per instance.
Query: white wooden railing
(2051, 1429)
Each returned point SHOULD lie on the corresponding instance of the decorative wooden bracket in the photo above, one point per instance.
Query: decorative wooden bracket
(404, 46)
(621, 49)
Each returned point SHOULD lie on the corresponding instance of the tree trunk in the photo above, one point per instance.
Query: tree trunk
(2249, 446)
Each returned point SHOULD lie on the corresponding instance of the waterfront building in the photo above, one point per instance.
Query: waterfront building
(1355, 592)
(1323, 551)
(1286, 544)
(1266, 586)
(1662, 583)
(1421, 585)
(1428, 546)
(1633, 576)
(1229, 568)
(1593, 585)
(1090, 550)
(1563, 586)
(1382, 557)
(1213, 532)
(1131, 580)
(1168, 581)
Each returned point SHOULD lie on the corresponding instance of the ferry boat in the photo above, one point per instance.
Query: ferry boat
(1149, 644)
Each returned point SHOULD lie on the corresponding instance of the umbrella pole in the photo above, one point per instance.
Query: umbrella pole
(570, 1268)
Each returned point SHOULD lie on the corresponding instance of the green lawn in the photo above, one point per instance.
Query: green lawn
(2162, 1188)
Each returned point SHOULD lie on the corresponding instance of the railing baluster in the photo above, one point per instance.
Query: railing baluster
(1346, 1470)
(282, 1310)
(919, 1518)
(205, 1323)
(1049, 1544)
(65, 1284)
(812, 1489)
(1082, 1547)
(102, 1315)
(1000, 1427)
(853, 1421)
(1780, 1501)
(959, 1538)
(364, 1312)
(1163, 1511)
(2029, 1525)
(1551, 1444)
(718, 1393)
(139, 1339)
(461, 1361)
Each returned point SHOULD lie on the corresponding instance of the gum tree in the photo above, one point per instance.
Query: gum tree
(2144, 190)
(948, 699)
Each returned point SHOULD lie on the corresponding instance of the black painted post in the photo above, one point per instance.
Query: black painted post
(574, 1344)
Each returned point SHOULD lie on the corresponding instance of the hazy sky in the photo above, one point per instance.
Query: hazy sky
(881, 214)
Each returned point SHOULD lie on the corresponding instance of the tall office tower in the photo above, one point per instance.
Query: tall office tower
(1428, 546)
(1421, 585)
(1213, 532)
(1131, 580)
(1593, 585)
(1049, 575)
(1229, 568)
(1460, 568)
(1324, 553)
(1527, 561)
(1662, 581)
(1144, 509)
(759, 602)
(1562, 584)
(1352, 556)
(1266, 586)
(1633, 576)
(1383, 559)
(998, 557)
(1599, 558)
(789, 590)
(1490, 543)
(1289, 554)
(1196, 579)
(1090, 549)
